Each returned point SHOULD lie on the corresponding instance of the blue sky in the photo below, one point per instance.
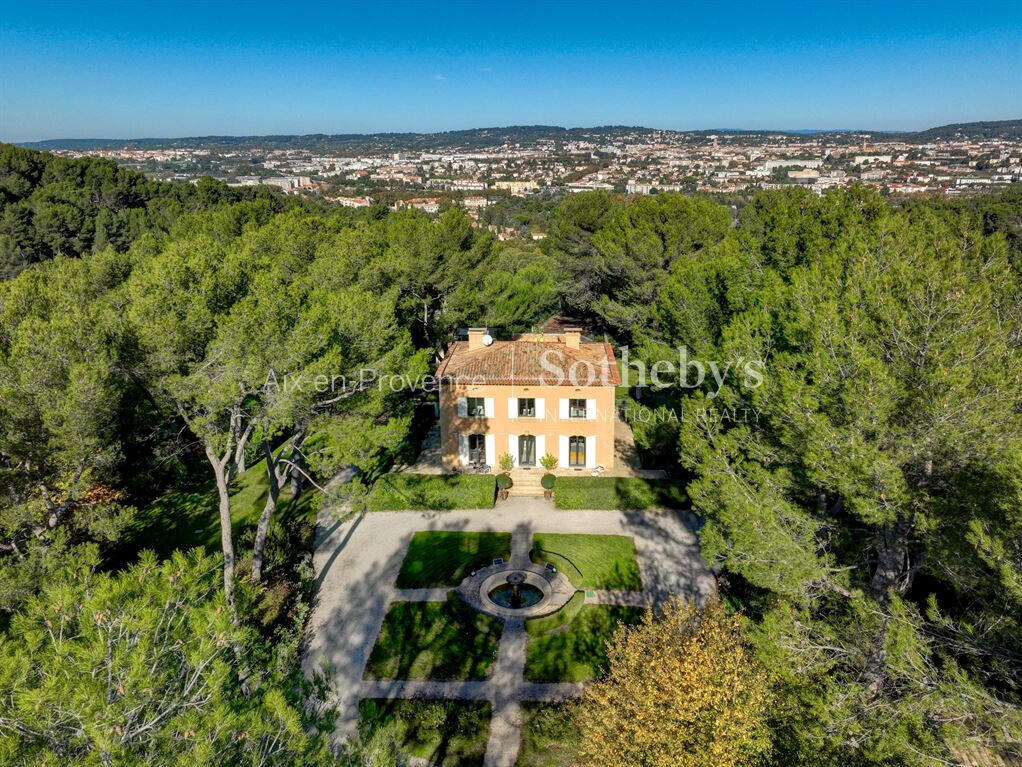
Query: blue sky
(158, 69)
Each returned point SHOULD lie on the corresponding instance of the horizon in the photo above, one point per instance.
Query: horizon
(789, 131)
(119, 72)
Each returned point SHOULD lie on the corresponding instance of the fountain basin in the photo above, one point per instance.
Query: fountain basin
(497, 592)
(511, 597)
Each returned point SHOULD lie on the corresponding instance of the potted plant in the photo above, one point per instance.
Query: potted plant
(548, 485)
(504, 484)
(548, 462)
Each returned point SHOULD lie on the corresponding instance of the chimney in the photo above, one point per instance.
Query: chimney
(475, 338)
(572, 337)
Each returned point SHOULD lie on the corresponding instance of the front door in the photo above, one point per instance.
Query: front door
(526, 451)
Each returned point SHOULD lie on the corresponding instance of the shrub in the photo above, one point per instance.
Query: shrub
(504, 482)
(506, 462)
(712, 699)
(618, 493)
(548, 462)
(399, 492)
(548, 481)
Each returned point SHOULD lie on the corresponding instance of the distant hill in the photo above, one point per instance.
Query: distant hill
(484, 138)
(1002, 129)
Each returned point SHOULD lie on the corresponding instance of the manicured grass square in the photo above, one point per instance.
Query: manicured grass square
(434, 640)
(445, 733)
(398, 492)
(590, 561)
(550, 737)
(618, 493)
(438, 558)
(577, 651)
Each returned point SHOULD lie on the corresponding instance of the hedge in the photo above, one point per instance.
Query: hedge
(617, 493)
(402, 492)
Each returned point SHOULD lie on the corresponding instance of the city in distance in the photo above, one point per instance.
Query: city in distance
(480, 167)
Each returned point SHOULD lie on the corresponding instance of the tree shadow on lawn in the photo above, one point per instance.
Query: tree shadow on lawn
(577, 652)
(445, 733)
(439, 558)
(435, 640)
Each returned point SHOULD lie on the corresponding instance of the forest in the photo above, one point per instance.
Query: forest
(866, 525)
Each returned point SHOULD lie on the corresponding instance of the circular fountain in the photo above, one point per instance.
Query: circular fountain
(516, 594)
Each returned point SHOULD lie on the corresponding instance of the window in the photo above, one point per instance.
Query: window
(476, 407)
(577, 450)
(477, 448)
(526, 407)
(576, 408)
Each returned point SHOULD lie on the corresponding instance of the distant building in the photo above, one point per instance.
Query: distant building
(518, 188)
(351, 202)
(474, 203)
(791, 162)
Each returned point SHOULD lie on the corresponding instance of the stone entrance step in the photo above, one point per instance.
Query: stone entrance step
(527, 482)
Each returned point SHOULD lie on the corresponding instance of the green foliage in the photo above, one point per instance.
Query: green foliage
(884, 447)
(52, 206)
(137, 668)
(618, 493)
(506, 462)
(548, 481)
(614, 258)
(438, 558)
(590, 561)
(548, 462)
(513, 289)
(399, 492)
(504, 482)
(434, 640)
(869, 508)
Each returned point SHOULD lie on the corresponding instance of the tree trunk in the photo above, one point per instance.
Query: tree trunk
(893, 573)
(226, 538)
(297, 483)
(262, 527)
(892, 568)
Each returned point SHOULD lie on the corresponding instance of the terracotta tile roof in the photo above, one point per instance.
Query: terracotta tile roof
(518, 362)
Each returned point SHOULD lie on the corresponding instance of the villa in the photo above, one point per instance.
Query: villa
(537, 393)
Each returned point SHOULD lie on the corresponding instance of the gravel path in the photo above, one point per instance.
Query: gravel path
(357, 563)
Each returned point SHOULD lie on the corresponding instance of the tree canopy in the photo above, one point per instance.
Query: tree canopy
(861, 497)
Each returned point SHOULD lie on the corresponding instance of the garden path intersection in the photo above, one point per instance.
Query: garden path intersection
(357, 563)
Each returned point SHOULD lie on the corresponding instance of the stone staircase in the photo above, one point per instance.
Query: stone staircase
(527, 482)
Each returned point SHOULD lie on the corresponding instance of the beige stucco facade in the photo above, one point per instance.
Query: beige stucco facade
(551, 428)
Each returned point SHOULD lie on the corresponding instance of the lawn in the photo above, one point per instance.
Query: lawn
(549, 736)
(444, 733)
(434, 640)
(590, 561)
(622, 493)
(183, 519)
(438, 558)
(577, 651)
(403, 492)
(565, 615)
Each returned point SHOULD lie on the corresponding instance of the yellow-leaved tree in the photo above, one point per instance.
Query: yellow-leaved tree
(683, 690)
